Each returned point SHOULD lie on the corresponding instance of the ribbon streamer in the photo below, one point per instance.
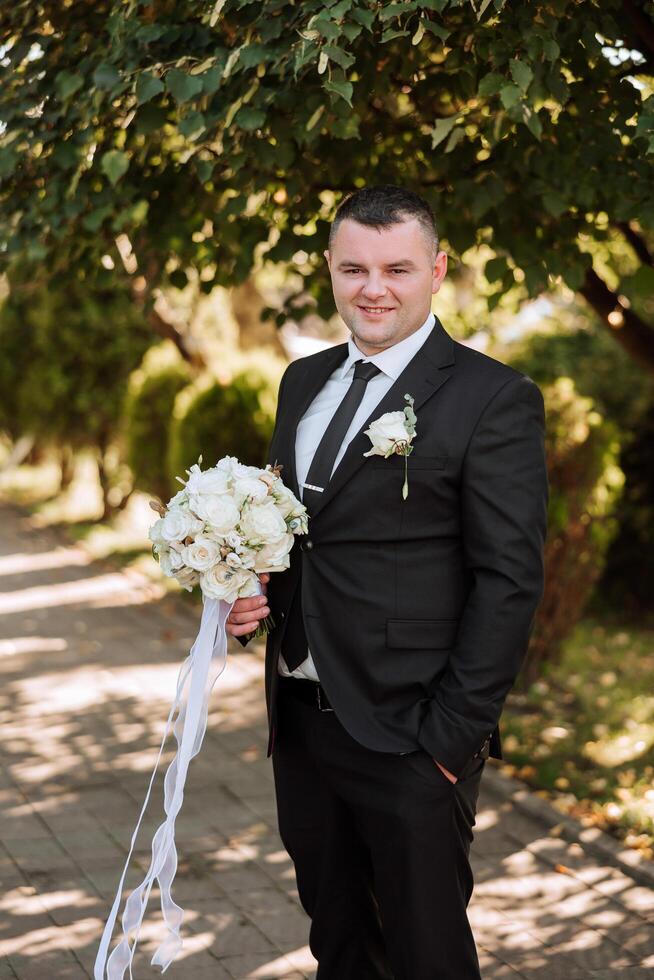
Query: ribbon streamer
(199, 672)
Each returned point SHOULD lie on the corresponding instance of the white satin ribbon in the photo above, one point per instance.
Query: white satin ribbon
(196, 678)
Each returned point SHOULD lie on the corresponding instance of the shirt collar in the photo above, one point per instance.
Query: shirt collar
(393, 360)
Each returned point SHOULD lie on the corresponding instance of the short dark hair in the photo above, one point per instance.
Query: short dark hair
(384, 205)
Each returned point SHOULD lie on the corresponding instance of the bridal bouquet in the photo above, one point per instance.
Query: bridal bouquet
(227, 525)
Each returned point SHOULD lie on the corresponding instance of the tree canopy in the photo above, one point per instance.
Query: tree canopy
(175, 134)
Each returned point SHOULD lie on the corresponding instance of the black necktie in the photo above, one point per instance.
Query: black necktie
(322, 463)
(295, 646)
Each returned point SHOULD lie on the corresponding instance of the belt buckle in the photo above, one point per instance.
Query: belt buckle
(319, 699)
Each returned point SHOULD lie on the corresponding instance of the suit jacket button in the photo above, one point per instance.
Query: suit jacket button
(307, 545)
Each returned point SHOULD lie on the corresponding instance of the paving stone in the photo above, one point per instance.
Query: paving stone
(74, 771)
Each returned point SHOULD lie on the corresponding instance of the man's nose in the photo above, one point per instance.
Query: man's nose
(374, 288)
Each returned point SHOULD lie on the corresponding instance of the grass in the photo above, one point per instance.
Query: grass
(584, 733)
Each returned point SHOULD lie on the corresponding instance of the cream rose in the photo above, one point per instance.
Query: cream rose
(274, 557)
(202, 554)
(187, 577)
(222, 582)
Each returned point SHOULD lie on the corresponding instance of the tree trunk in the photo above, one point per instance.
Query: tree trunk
(634, 334)
(66, 467)
(254, 332)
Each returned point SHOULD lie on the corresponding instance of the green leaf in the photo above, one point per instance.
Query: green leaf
(456, 136)
(250, 119)
(490, 84)
(364, 17)
(192, 125)
(211, 80)
(93, 221)
(390, 34)
(341, 57)
(495, 268)
(337, 10)
(390, 10)
(521, 73)
(67, 84)
(441, 129)
(351, 31)
(204, 170)
(344, 89)
(534, 125)
(106, 76)
(147, 86)
(114, 164)
(326, 28)
(436, 29)
(554, 203)
(183, 86)
(510, 95)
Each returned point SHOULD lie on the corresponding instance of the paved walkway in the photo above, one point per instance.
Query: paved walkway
(89, 659)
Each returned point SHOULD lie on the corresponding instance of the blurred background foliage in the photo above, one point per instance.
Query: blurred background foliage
(168, 173)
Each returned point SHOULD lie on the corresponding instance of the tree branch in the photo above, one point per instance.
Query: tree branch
(633, 334)
(637, 242)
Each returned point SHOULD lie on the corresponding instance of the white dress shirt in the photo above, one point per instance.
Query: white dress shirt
(391, 362)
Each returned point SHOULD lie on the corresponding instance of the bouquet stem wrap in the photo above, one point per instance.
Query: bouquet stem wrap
(197, 675)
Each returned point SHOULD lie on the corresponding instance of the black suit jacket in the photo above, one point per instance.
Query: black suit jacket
(418, 612)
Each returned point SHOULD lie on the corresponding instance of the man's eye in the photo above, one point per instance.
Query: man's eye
(399, 270)
(352, 270)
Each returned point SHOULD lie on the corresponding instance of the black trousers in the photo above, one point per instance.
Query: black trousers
(380, 844)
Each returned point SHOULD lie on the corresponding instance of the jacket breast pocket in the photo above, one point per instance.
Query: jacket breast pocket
(421, 634)
(415, 462)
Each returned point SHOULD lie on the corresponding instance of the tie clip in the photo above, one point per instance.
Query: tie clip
(310, 486)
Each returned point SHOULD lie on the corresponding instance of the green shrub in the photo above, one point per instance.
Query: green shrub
(585, 487)
(66, 383)
(217, 420)
(148, 414)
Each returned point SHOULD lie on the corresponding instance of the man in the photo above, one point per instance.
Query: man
(401, 623)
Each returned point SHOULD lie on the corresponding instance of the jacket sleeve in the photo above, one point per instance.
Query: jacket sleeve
(244, 640)
(504, 496)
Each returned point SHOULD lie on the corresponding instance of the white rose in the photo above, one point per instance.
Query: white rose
(233, 560)
(264, 523)
(202, 554)
(274, 557)
(154, 533)
(250, 487)
(386, 432)
(219, 511)
(178, 524)
(234, 540)
(223, 582)
(207, 482)
(187, 577)
(170, 562)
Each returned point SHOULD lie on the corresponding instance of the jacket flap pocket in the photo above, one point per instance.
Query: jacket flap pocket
(421, 634)
(415, 462)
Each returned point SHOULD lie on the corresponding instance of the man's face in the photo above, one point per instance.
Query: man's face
(383, 281)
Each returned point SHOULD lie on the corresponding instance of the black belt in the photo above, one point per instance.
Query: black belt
(304, 690)
(313, 693)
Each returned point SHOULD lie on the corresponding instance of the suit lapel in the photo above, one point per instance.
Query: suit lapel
(425, 373)
(305, 388)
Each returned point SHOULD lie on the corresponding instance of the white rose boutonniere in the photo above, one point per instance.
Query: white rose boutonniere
(393, 433)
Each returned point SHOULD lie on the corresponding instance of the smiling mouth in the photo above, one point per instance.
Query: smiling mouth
(376, 309)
